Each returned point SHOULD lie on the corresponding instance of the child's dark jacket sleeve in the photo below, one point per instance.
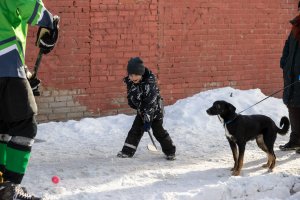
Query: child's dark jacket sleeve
(150, 95)
(132, 102)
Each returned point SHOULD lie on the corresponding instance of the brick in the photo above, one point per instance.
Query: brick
(191, 46)
(75, 115)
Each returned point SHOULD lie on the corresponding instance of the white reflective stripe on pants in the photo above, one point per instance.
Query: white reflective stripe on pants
(24, 141)
(4, 138)
(130, 146)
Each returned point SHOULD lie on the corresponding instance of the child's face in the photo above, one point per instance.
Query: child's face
(135, 78)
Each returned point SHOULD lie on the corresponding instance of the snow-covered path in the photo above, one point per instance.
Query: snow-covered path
(83, 154)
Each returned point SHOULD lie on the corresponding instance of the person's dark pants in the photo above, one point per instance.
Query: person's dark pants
(17, 127)
(136, 132)
(294, 115)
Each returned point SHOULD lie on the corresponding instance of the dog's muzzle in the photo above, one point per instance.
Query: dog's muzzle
(208, 111)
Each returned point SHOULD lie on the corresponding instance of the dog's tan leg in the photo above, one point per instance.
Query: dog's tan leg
(267, 165)
(273, 162)
(234, 154)
(271, 155)
(238, 169)
(261, 144)
(234, 167)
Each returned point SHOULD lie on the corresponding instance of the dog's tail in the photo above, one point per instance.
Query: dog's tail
(286, 125)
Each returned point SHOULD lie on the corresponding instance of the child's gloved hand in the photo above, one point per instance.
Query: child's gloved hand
(147, 122)
(147, 126)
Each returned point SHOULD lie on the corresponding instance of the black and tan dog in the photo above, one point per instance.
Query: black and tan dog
(239, 129)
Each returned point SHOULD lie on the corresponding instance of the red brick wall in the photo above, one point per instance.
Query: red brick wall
(192, 46)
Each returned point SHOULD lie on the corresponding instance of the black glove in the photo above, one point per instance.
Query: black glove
(147, 126)
(147, 122)
(35, 83)
(47, 38)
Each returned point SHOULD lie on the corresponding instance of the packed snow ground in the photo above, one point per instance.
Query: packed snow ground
(83, 154)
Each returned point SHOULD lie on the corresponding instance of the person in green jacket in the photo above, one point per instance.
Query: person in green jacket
(18, 108)
(290, 65)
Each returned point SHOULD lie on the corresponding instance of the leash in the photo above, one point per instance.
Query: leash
(270, 95)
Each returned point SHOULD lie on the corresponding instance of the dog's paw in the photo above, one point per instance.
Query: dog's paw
(270, 170)
(233, 169)
(265, 165)
(235, 173)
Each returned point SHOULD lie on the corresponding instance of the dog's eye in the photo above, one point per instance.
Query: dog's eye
(218, 106)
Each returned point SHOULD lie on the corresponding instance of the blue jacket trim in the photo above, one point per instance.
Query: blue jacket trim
(7, 40)
(46, 19)
(36, 8)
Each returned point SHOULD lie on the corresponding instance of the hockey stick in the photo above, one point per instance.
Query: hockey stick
(151, 147)
(33, 80)
(37, 64)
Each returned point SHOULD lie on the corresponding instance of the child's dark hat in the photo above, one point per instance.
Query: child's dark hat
(135, 66)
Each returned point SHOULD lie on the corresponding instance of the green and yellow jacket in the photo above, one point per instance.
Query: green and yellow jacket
(15, 15)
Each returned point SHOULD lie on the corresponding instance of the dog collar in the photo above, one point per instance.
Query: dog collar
(228, 122)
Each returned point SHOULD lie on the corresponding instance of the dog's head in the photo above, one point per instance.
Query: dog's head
(221, 108)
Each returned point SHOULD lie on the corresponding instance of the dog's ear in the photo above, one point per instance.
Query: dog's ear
(231, 107)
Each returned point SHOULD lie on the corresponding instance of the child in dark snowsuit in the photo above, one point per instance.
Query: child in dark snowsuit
(143, 95)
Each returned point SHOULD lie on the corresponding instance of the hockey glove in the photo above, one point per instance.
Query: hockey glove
(35, 84)
(147, 126)
(33, 81)
(47, 38)
(147, 123)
